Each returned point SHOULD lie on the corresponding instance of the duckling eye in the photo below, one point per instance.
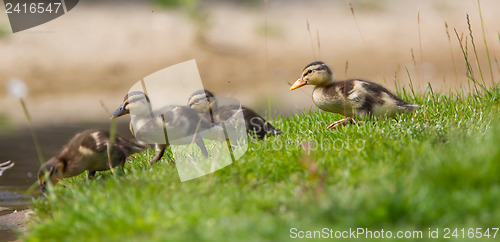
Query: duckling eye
(51, 172)
(309, 71)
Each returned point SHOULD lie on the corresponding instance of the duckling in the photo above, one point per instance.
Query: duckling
(5, 166)
(87, 150)
(220, 110)
(351, 98)
(172, 124)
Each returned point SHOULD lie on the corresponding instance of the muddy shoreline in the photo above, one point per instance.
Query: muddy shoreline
(13, 223)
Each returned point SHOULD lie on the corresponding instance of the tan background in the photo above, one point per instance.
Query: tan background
(250, 51)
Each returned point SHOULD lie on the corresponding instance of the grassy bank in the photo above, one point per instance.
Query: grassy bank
(435, 168)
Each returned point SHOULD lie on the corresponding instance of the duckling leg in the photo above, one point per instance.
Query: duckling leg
(201, 144)
(91, 175)
(159, 151)
(342, 122)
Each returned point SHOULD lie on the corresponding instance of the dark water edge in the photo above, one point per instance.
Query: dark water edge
(16, 144)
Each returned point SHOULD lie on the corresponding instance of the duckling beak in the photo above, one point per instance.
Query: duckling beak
(119, 112)
(300, 82)
(43, 190)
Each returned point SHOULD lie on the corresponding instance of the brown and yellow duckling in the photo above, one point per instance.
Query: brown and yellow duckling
(219, 110)
(86, 151)
(351, 98)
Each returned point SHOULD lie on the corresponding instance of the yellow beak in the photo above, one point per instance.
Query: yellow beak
(300, 82)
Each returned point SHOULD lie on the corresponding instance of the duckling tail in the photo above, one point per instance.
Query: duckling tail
(132, 145)
(273, 130)
(411, 107)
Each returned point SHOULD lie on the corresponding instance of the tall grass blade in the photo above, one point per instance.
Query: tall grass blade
(469, 72)
(319, 45)
(310, 38)
(411, 83)
(484, 39)
(356, 22)
(421, 70)
(112, 139)
(268, 80)
(32, 132)
(475, 51)
(345, 77)
(451, 51)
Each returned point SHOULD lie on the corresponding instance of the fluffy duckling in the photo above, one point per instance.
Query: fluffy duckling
(205, 102)
(87, 150)
(180, 124)
(5, 166)
(351, 98)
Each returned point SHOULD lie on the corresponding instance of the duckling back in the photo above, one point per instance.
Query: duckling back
(88, 151)
(220, 110)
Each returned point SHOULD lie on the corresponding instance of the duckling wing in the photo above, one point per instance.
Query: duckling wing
(181, 125)
(374, 99)
(337, 97)
(85, 151)
(359, 98)
(184, 123)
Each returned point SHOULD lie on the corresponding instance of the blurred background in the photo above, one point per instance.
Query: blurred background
(79, 66)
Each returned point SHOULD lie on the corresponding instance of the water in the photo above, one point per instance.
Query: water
(16, 144)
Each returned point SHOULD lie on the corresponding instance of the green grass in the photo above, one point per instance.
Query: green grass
(437, 167)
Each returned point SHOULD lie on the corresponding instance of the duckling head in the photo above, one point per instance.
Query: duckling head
(136, 101)
(51, 171)
(201, 101)
(316, 73)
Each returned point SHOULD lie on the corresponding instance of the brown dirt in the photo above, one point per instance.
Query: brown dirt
(17, 219)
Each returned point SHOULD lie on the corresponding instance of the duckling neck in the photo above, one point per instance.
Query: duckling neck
(325, 83)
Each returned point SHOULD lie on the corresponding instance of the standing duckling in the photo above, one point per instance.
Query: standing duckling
(351, 98)
(87, 150)
(205, 102)
(184, 124)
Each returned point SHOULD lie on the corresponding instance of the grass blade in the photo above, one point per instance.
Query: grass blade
(475, 51)
(484, 39)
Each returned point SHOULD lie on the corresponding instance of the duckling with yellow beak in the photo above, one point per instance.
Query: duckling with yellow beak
(351, 98)
(87, 150)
